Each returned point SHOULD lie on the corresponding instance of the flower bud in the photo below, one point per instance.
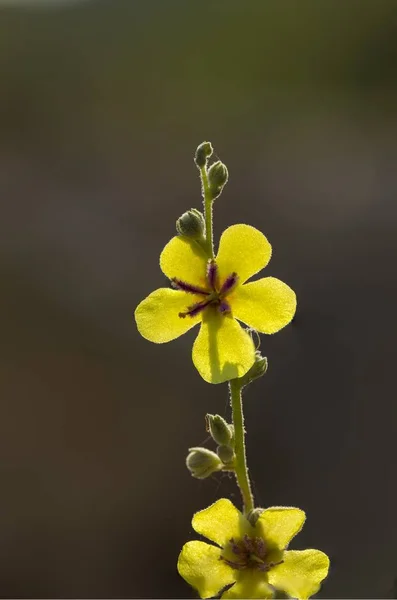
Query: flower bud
(258, 369)
(203, 152)
(191, 224)
(217, 177)
(254, 515)
(225, 453)
(220, 431)
(202, 462)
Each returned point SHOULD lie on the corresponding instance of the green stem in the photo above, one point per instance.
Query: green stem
(241, 468)
(207, 211)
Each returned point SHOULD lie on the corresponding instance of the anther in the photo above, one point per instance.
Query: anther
(249, 544)
(224, 307)
(235, 547)
(260, 547)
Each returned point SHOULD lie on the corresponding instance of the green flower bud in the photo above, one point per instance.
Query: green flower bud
(203, 152)
(258, 369)
(191, 224)
(220, 431)
(202, 462)
(254, 515)
(217, 177)
(226, 454)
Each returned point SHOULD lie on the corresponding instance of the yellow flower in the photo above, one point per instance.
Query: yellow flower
(215, 293)
(252, 558)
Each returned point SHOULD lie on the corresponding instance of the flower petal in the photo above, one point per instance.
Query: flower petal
(184, 259)
(279, 524)
(243, 250)
(301, 573)
(200, 565)
(157, 316)
(250, 584)
(223, 350)
(267, 305)
(220, 522)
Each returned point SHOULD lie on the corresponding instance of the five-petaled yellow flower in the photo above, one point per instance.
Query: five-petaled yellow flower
(252, 558)
(215, 292)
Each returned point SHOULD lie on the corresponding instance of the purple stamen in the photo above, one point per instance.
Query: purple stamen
(212, 272)
(235, 547)
(178, 284)
(194, 310)
(251, 554)
(229, 283)
(270, 565)
(224, 307)
(274, 564)
(233, 564)
(249, 544)
(260, 547)
(211, 294)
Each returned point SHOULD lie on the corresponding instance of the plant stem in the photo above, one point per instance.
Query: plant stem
(207, 211)
(241, 468)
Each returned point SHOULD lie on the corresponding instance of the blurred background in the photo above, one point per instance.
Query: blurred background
(102, 105)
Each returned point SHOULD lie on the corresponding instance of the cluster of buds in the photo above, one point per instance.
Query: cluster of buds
(192, 223)
(217, 173)
(202, 462)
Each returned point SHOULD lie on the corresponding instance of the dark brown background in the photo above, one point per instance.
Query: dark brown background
(102, 105)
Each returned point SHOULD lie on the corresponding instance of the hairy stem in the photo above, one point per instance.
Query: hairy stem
(241, 469)
(207, 201)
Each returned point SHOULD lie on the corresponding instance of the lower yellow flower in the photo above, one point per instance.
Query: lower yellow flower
(214, 293)
(252, 559)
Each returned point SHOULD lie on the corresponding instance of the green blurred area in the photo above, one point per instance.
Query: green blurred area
(165, 62)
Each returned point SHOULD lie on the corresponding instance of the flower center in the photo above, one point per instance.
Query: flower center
(213, 293)
(249, 553)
